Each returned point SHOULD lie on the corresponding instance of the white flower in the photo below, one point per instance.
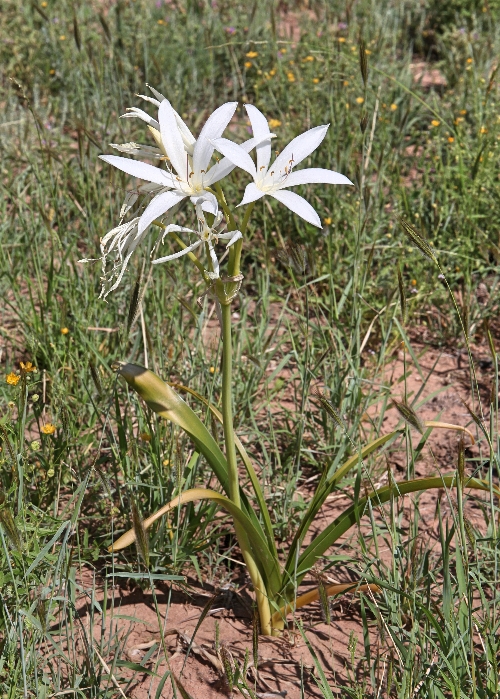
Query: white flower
(189, 158)
(206, 234)
(274, 179)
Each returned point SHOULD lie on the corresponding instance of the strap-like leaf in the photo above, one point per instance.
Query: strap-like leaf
(268, 565)
(268, 527)
(345, 521)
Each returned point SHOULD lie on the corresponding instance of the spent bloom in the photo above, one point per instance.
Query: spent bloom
(275, 179)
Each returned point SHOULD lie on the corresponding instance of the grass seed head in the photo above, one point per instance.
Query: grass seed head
(409, 415)
(418, 240)
(140, 534)
(402, 295)
(363, 62)
(9, 525)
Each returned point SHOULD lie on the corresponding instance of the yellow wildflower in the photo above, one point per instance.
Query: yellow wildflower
(463, 112)
(450, 139)
(12, 379)
(161, 21)
(52, 71)
(48, 428)
(360, 100)
(483, 129)
(327, 221)
(28, 367)
(272, 72)
(62, 37)
(315, 81)
(341, 40)
(290, 76)
(435, 122)
(248, 64)
(274, 123)
(212, 370)
(393, 107)
(64, 331)
(252, 54)
(346, 83)
(44, 4)
(145, 437)
(414, 282)
(470, 60)
(308, 59)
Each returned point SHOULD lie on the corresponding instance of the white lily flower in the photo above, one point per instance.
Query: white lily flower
(189, 157)
(206, 234)
(275, 179)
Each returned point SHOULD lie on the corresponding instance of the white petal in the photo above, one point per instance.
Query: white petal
(236, 155)
(252, 193)
(298, 149)
(261, 132)
(298, 205)
(150, 99)
(185, 251)
(187, 136)
(172, 139)
(213, 257)
(236, 235)
(208, 202)
(157, 94)
(225, 166)
(314, 175)
(150, 173)
(136, 112)
(214, 127)
(158, 206)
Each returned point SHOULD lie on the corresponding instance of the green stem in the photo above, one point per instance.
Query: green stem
(227, 407)
(235, 253)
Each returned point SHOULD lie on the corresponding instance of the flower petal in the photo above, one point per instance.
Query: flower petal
(298, 149)
(157, 94)
(150, 173)
(136, 112)
(260, 129)
(298, 205)
(172, 139)
(214, 127)
(252, 193)
(225, 166)
(158, 206)
(175, 255)
(187, 137)
(236, 155)
(208, 202)
(314, 175)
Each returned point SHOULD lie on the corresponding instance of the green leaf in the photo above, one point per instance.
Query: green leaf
(345, 521)
(268, 564)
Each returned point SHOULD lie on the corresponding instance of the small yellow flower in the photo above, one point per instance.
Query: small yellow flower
(315, 81)
(28, 367)
(212, 370)
(272, 72)
(367, 51)
(283, 50)
(62, 37)
(346, 83)
(458, 120)
(483, 129)
(248, 64)
(360, 100)
(414, 282)
(435, 122)
(353, 48)
(166, 462)
(327, 221)
(252, 54)
(290, 76)
(64, 331)
(450, 139)
(12, 379)
(470, 60)
(393, 107)
(341, 40)
(463, 112)
(347, 105)
(308, 59)
(274, 123)
(145, 437)
(44, 4)
(161, 21)
(48, 428)
(52, 71)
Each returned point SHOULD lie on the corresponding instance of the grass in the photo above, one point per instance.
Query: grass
(427, 153)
